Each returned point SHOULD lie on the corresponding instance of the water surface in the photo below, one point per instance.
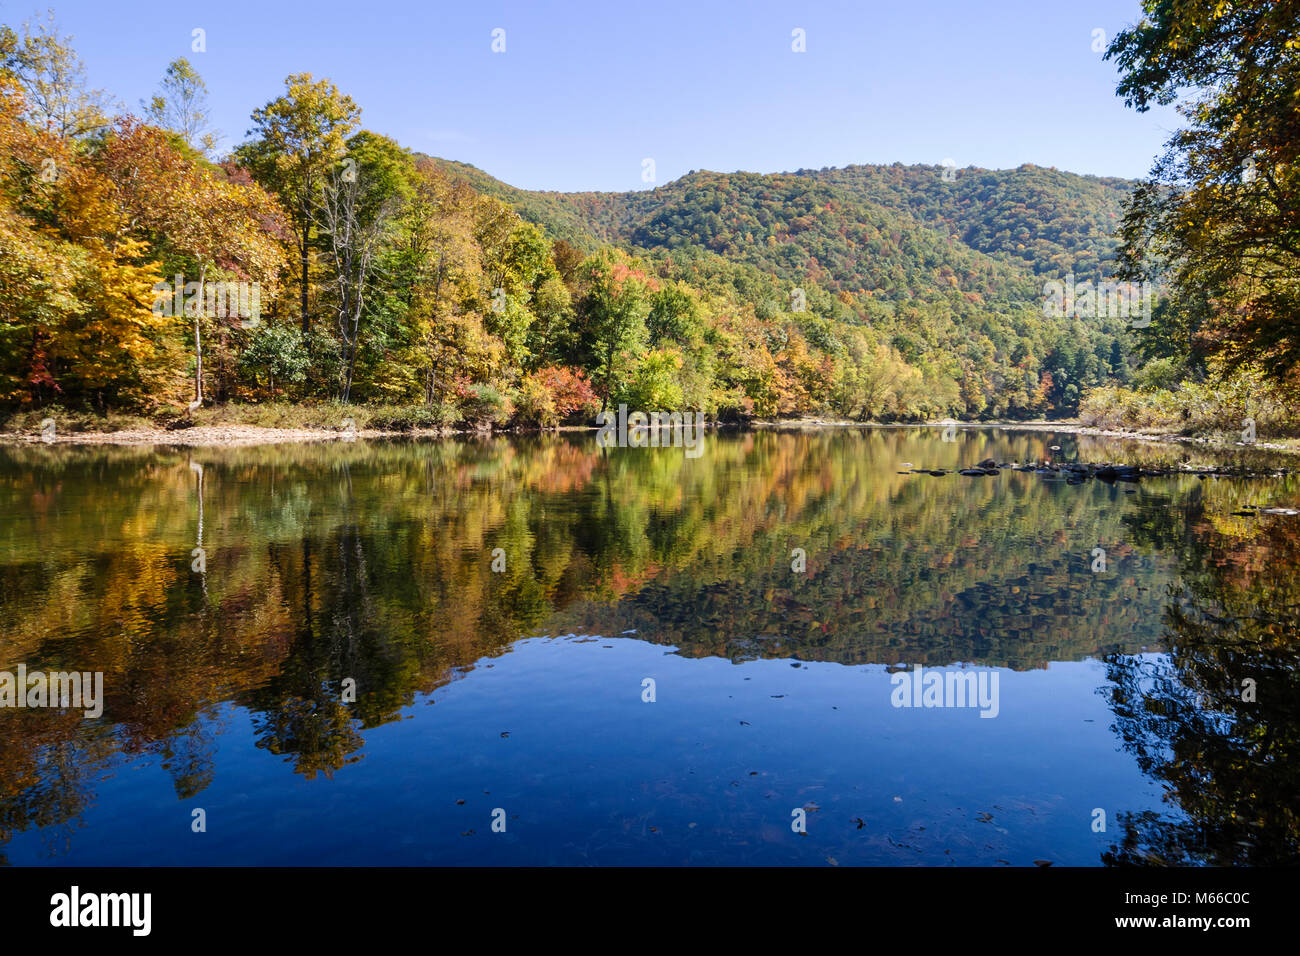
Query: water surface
(518, 694)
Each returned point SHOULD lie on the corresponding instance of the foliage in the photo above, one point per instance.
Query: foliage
(552, 395)
(181, 106)
(871, 292)
(1219, 217)
(1220, 405)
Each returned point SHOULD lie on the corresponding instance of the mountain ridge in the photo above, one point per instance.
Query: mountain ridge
(916, 190)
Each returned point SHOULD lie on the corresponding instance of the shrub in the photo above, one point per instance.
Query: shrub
(556, 394)
(1218, 407)
(484, 405)
(535, 404)
(275, 356)
(1164, 373)
(410, 417)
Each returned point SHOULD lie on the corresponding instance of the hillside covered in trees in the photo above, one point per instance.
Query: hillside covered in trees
(322, 262)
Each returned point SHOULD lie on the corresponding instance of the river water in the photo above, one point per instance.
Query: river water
(538, 651)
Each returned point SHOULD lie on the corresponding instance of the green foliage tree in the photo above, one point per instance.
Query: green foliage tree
(359, 201)
(52, 77)
(181, 105)
(1219, 218)
(296, 140)
(615, 307)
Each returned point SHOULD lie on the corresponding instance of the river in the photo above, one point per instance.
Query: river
(534, 650)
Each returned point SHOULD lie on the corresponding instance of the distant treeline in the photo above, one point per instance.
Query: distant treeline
(319, 261)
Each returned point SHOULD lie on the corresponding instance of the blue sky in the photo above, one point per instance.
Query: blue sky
(586, 90)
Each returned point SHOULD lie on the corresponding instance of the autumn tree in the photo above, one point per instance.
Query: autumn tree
(109, 345)
(200, 224)
(181, 105)
(1219, 218)
(515, 255)
(359, 201)
(297, 139)
(38, 270)
(614, 308)
(52, 77)
(442, 281)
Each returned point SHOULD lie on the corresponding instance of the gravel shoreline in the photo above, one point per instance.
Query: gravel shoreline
(228, 436)
(243, 435)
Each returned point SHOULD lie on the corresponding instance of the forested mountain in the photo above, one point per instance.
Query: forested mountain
(946, 266)
(1055, 222)
(857, 227)
(364, 272)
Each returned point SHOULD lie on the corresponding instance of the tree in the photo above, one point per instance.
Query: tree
(275, 353)
(77, 277)
(53, 80)
(516, 257)
(197, 221)
(360, 199)
(297, 139)
(674, 315)
(440, 281)
(39, 271)
(615, 306)
(1220, 214)
(181, 105)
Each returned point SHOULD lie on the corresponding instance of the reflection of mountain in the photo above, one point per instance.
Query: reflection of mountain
(882, 599)
(1217, 718)
(373, 564)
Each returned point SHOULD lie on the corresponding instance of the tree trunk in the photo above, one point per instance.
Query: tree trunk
(609, 377)
(352, 356)
(302, 248)
(198, 341)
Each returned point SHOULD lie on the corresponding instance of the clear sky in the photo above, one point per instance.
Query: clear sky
(586, 90)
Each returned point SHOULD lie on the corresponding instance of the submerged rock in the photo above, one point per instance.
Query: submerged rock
(1077, 472)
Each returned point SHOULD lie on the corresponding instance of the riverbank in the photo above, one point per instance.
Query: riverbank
(1068, 426)
(227, 434)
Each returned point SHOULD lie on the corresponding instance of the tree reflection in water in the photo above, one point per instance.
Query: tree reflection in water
(1215, 718)
(369, 564)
